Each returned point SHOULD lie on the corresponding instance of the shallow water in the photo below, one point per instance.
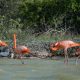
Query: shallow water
(39, 69)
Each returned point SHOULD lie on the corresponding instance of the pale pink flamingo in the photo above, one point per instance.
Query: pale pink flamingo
(2, 43)
(65, 44)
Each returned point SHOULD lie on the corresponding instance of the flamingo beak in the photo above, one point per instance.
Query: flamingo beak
(54, 49)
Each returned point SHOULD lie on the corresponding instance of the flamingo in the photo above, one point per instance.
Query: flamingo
(65, 44)
(20, 49)
(2, 43)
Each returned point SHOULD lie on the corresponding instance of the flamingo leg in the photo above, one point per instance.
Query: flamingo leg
(22, 61)
(66, 56)
(21, 57)
(77, 59)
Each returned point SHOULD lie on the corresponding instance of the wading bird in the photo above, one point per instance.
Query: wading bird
(20, 49)
(4, 51)
(2, 43)
(64, 45)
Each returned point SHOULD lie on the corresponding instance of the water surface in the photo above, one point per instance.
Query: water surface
(38, 69)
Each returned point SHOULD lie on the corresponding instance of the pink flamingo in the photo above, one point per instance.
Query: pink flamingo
(2, 43)
(63, 45)
(20, 49)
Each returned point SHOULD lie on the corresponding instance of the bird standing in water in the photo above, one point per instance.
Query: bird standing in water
(63, 45)
(20, 49)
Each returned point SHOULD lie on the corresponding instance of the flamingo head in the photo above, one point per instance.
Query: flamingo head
(54, 46)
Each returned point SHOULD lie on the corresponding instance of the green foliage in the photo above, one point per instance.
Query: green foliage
(41, 15)
(35, 17)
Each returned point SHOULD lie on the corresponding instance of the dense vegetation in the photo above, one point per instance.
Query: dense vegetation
(33, 18)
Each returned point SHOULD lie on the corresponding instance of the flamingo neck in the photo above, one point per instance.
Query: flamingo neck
(77, 44)
(14, 40)
(54, 48)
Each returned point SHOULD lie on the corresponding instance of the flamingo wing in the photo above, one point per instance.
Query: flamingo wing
(22, 49)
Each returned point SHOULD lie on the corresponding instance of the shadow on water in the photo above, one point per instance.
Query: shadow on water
(38, 69)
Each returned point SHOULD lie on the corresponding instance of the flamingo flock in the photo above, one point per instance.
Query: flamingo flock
(21, 50)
